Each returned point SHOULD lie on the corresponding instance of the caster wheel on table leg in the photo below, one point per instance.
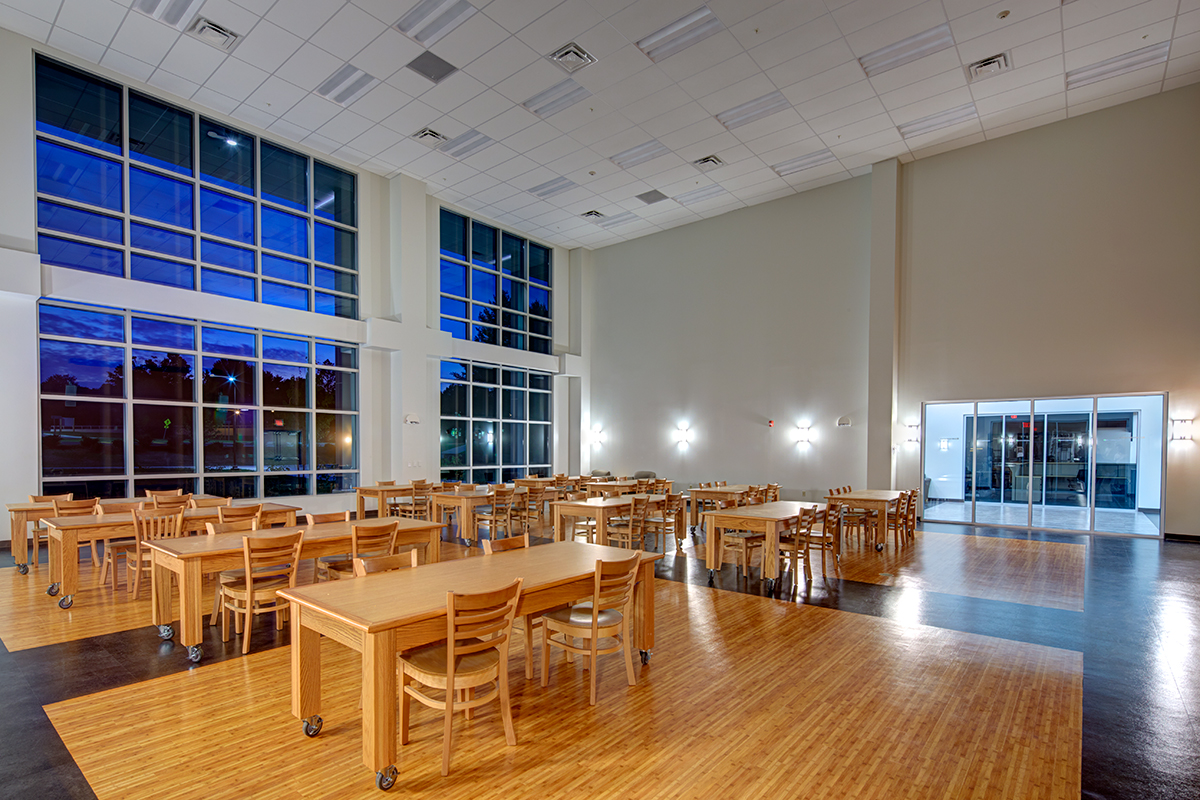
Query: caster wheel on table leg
(66, 602)
(52, 589)
(312, 725)
(711, 573)
(23, 569)
(165, 632)
(878, 548)
(770, 586)
(646, 657)
(386, 778)
(195, 654)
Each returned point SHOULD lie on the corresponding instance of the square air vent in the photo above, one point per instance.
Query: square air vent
(651, 197)
(427, 65)
(988, 67)
(572, 57)
(213, 34)
(429, 137)
(591, 215)
(707, 163)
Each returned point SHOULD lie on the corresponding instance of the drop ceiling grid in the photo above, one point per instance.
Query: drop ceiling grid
(805, 49)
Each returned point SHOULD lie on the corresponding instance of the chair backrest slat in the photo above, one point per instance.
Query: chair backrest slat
(210, 502)
(332, 516)
(75, 508)
(271, 557)
(511, 543)
(369, 566)
(374, 540)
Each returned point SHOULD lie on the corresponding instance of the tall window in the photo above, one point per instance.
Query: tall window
(169, 403)
(496, 423)
(132, 187)
(495, 286)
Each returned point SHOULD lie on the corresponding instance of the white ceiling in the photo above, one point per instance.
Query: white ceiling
(807, 49)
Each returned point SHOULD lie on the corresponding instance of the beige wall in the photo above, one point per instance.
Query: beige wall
(727, 323)
(1064, 260)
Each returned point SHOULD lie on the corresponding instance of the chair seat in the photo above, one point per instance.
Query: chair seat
(228, 576)
(580, 616)
(430, 661)
(238, 586)
(749, 536)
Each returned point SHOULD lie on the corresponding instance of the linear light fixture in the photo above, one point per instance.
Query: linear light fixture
(466, 144)
(346, 85)
(551, 188)
(176, 13)
(754, 110)
(430, 20)
(558, 97)
(618, 219)
(701, 194)
(640, 154)
(680, 34)
(801, 163)
(935, 122)
(1118, 65)
(907, 50)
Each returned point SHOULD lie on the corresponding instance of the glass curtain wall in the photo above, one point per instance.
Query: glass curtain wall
(1076, 464)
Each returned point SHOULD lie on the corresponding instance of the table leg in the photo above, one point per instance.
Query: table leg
(360, 507)
(434, 553)
(379, 701)
(466, 522)
(602, 525)
(881, 531)
(770, 559)
(695, 512)
(54, 553)
(711, 545)
(160, 593)
(680, 533)
(559, 533)
(68, 556)
(191, 631)
(306, 666)
(643, 609)
(20, 540)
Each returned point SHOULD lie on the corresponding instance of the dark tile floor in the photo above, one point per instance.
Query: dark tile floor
(1139, 635)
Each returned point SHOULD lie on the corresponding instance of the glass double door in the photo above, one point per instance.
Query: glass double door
(1079, 464)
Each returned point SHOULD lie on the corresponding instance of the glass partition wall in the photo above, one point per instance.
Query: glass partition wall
(1073, 464)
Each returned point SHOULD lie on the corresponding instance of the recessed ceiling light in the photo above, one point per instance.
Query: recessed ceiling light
(176, 13)
(551, 188)
(436, 69)
(347, 84)
(698, 195)
(651, 197)
(558, 97)
(801, 163)
(680, 34)
(708, 162)
(942, 119)
(907, 50)
(753, 110)
(640, 154)
(430, 20)
(466, 144)
(623, 218)
(1118, 65)
(572, 57)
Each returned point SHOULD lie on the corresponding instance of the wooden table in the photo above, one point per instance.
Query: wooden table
(599, 488)
(718, 493)
(381, 495)
(881, 500)
(21, 514)
(191, 557)
(769, 519)
(380, 615)
(67, 532)
(602, 509)
(464, 503)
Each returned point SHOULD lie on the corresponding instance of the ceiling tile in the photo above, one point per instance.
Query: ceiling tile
(1187, 24)
(348, 126)
(869, 149)
(907, 23)
(986, 21)
(230, 15)
(800, 138)
(724, 144)
(1181, 80)
(259, 7)
(561, 24)
(431, 163)
(214, 100)
(557, 148)
(312, 112)
(819, 32)
(1023, 32)
(453, 91)
(630, 90)
(1093, 10)
(837, 100)
(1075, 109)
(275, 96)
(721, 100)
(386, 54)
(580, 115)
(778, 121)
(880, 125)
(1025, 123)
(45, 10)
(655, 104)
(1132, 19)
(253, 116)
(310, 67)
(720, 76)
(127, 65)
(516, 14)
(180, 87)
(514, 120)
(931, 105)
(915, 71)
(1182, 65)
(380, 103)
(502, 61)
(481, 108)
(537, 77)
(290, 132)
(1118, 85)
(864, 13)
(699, 131)
(97, 20)
(236, 79)
(762, 22)
(403, 152)
(478, 34)
(847, 116)
(192, 59)
(24, 24)
(346, 32)
(999, 116)
(514, 167)
(491, 156)
(267, 46)
(86, 49)
(675, 119)
(303, 17)
(1048, 69)
(812, 63)
(376, 139)
(621, 65)
(1118, 45)
(608, 125)
(974, 137)
(641, 19)
(700, 56)
(601, 40)
(822, 83)
(144, 39)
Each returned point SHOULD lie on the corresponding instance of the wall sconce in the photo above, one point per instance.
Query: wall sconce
(944, 445)
(683, 434)
(913, 433)
(1181, 429)
(598, 435)
(802, 434)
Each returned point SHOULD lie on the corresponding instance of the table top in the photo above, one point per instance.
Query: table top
(126, 517)
(866, 494)
(602, 502)
(780, 509)
(198, 546)
(733, 487)
(392, 599)
(482, 491)
(104, 502)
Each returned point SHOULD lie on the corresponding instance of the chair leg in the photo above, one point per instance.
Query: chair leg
(592, 672)
(510, 733)
(630, 675)
(245, 631)
(545, 654)
(404, 706)
(95, 563)
(103, 563)
(217, 597)
(448, 731)
(528, 622)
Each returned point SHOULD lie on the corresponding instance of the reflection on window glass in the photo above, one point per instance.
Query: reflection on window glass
(512, 443)
(80, 438)
(157, 270)
(78, 107)
(336, 482)
(161, 240)
(335, 280)
(285, 485)
(335, 442)
(223, 283)
(66, 219)
(228, 382)
(539, 264)
(514, 295)
(232, 343)
(484, 334)
(539, 380)
(540, 444)
(483, 444)
(59, 321)
(487, 402)
(483, 245)
(226, 157)
(539, 407)
(454, 400)
(539, 345)
(162, 439)
(514, 404)
(454, 443)
(87, 488)
(185, 485)
(159, 198)
(483, 286)
(333, 192)
(335, 305)
(229, 439)
(456, 329)
(513, 255)
(226, 216)
(284, 232)
(453, 308)
(163, 334)
(277, 294)
(335, 246)
(454, 235)
(283, 349)
(160, 135)
(284, 177)
(454, 279)
(226, 255)
(75, 175)
(237, 488)
(163, 376)
(454, 371)
(284, 269)
(334, 355)
(337, 390)
(285, 385)
(285, 441)
(539, 302)
(81, 369)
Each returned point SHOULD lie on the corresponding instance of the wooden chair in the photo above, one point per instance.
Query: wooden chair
(153, 493)
(365, 541)
(369, 566)
(585, 526)
(606, 615)
(317, 519)
(235, 513)
(171, 501)
(210, 502)
(527, 508)
(270, 564)
(795, 541)
(77, 508)
(529, 621)
(40, 531)
(741, 543)
(897, 522)
(913, 499)
(419, 503)
(397, 502)
(474, 655)
(630, 531)
(498, 515)
(827, 539)
(228, 575)
(662, 523)
(772, 493)
(115, 549)
(149, 524)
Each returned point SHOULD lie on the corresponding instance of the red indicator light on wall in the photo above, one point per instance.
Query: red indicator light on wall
(770, 423)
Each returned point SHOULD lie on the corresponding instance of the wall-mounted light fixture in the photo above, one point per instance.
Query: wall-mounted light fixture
(802, 434)
(944, 445)
(683, 434)
(912, 433)
(1181, 429)
(598, 435)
